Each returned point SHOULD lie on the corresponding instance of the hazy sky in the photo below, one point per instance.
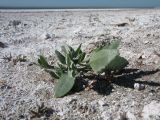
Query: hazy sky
(79, 3)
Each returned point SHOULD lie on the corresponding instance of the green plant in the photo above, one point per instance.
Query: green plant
(71, 62)
(107, 59)
(16, 59)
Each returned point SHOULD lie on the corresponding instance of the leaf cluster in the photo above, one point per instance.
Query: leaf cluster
(71, 62)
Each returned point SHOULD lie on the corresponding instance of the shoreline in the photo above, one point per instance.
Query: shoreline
(74, 10)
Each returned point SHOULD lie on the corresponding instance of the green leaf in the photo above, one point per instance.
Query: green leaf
(62, 67)
(73, 68)
(68, 61)
(55, 74)
(112, 45)
(63, 49)
(71, 49)
(101, 59)
(117, 64)
(60, 57)
(107, 59)
(64, 84)
(81, 58)
(42, 61)
(78, 50)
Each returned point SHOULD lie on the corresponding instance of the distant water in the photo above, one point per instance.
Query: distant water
(63, 10)
(57, 4)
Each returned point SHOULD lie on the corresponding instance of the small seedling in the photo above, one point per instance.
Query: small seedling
(71, 62)
(7, 58)
(19, 58)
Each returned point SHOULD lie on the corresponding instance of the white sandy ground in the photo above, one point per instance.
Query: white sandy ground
(23, 86)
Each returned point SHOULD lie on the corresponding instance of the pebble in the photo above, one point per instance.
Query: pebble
(30, 63)
(139, 86)
(102, 103)
(2, 45)
(145, 42)
(45, 36)
(103, 73)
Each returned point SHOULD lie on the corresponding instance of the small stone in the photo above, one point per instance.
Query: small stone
(139, 86)
(148, 35)
(30, 63)
(139, 56)
(73, 101)
(122, 24)
(45, 36)
(103, 73)
(145, 42)
(48, 36)
(2, 45)
(101, 102)
(144, 56)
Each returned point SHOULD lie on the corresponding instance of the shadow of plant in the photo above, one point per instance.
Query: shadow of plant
(128, 79)
(125, 78)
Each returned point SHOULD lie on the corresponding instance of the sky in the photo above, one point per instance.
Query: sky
(79, 3)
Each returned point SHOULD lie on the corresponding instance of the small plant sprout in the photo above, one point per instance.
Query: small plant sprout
(71, 62)
(16, 59)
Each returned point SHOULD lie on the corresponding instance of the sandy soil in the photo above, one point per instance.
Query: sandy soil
(26, 91)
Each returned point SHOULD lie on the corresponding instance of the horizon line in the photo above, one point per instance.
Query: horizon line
(108, 7)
